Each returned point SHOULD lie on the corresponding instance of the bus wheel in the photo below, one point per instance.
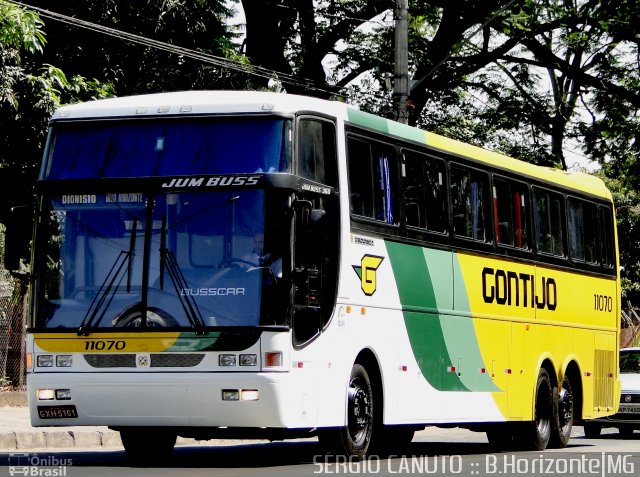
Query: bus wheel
(353, 439)
(536, 436)
(591, 430)
(563, 420)
(147, 446)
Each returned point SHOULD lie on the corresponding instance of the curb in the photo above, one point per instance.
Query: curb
(58, 439)
(11, 441)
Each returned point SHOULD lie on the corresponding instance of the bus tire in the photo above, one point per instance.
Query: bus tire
(563, 416)
(537, 433)
(353, 440)
(147, 445)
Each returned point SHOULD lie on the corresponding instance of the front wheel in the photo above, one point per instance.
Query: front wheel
(147, 446)
(353, 440)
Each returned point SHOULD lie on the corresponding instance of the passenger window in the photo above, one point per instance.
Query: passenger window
(425, 192)
(317, 151)
(581, 228)
(372, 180)
(548, 222)
(605, 228)
(470, 203)
(510, 201)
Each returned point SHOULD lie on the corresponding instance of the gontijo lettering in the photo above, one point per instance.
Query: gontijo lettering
(506, 287)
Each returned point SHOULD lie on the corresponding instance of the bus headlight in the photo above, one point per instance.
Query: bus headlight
(249, 395)
(44, 360)
(64, 360)
(248, 360)
(46, 394)
(63, 394)
(227, 360)
(230, 395)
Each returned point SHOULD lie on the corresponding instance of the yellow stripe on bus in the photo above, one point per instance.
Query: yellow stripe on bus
(105, 342)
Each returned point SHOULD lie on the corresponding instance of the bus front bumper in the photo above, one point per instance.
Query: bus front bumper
(167, 399)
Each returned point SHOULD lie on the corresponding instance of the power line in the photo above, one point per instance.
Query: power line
(178, 50)
(227, 63)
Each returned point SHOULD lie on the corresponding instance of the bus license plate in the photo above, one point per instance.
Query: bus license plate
(57, 412)
(629, 409)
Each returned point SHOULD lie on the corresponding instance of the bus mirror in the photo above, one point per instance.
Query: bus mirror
(17, 236)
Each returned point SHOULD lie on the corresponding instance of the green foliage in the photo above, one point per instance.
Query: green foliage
(627, 203)
(29, 92)
(20, 29)
(132, 68)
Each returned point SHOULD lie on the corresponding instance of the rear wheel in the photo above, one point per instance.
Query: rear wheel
(147, 445)
(563, 418)
(354, 438)
(536, 434)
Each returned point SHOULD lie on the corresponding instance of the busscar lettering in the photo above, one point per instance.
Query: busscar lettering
(217, 181)
(213, 291)
(506, 287)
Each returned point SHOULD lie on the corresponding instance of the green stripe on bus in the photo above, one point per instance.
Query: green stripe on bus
(423, 328)
(444, 345)
(367, 120)
(190, 341)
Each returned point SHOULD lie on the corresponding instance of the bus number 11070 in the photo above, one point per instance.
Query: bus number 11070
(602, 303)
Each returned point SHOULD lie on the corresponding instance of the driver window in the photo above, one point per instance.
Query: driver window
(317, 151)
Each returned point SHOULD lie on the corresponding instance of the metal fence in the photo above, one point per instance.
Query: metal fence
(12, 329)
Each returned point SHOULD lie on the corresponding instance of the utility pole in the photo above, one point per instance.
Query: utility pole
(401, 57)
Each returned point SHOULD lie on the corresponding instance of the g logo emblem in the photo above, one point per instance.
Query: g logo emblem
(366, 271)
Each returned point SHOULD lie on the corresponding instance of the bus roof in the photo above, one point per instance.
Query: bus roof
(228, 102)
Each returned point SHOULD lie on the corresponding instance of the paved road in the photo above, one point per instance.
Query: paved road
(433, 452)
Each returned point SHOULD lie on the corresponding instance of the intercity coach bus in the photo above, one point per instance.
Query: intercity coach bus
(261, 265)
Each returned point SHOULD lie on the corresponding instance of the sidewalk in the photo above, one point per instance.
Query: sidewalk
(16, 432)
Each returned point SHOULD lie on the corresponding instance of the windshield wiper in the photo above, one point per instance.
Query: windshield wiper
(109, 286)
(168, 261)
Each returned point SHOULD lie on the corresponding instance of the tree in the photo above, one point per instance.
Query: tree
(29, 92)
(134, 68)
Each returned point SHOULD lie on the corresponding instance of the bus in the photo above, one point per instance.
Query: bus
(218, 264)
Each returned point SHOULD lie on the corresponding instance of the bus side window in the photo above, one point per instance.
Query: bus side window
(470, 203)
(372, 180)
(581, 229)
(425, 192)
(510, 199)
(317, 151)
(548, 222)
(605, 229)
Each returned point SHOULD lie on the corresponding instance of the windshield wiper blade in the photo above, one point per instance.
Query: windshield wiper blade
(103, 292)
(132, 248)
(168, 261)
(109, 289)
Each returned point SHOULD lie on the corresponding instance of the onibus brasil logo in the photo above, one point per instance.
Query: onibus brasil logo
(367, 273)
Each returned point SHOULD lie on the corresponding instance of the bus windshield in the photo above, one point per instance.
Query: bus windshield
(145, 148)
(186, 259)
